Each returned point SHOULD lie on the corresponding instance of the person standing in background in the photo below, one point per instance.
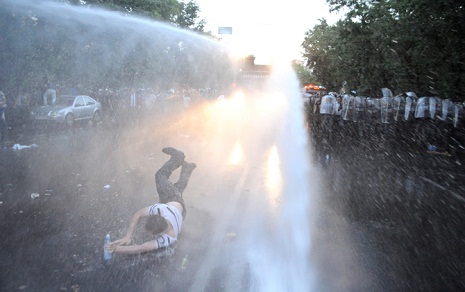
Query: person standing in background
(3, 122)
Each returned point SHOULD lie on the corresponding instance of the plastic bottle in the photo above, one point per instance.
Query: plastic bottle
(106, 254)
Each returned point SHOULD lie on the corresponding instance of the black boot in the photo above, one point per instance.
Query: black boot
(173, 152)
(186, 172)
(189, 166)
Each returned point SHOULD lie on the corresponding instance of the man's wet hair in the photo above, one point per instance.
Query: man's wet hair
(156, 224)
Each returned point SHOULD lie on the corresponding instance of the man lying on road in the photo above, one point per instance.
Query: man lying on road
(164, 218)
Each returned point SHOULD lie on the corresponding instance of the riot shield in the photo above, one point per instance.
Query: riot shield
(410, 105)
(386, 92)
(386, 109)
(359, 108)
(327, 115)
(447, 112)
(398, 107)
(346, 106)
(434, 107)
(422, 107)
(458, 115)
(409, 108)
(374, 109)
(328, 105)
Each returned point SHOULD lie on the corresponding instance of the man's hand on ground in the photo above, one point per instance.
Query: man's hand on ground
(111, 248)
(123, 241)
(133, 249)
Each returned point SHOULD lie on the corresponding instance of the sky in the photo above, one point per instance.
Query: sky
(268, 29)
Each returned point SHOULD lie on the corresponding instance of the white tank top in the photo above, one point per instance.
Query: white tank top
(171, 214)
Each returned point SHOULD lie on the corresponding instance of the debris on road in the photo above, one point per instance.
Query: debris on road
(183, 264)
(19, 146)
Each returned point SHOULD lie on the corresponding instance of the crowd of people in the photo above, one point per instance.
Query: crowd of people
(431, 123)
(120, 106)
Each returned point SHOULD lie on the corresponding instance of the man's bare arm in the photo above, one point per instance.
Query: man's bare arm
(144, 212)
(133, 249)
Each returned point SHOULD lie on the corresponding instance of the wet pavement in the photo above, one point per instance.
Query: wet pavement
(266, 211)
(385, 220)
(404, 201)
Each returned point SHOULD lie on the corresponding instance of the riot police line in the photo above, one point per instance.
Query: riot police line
(424, 121)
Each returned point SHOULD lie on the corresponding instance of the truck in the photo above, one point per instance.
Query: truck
(251, 76)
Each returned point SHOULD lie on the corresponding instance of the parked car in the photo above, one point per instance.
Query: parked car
(68, 109)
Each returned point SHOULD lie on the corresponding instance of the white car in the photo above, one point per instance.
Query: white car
(68, 109)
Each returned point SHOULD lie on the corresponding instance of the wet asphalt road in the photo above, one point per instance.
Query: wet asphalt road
(378, 223)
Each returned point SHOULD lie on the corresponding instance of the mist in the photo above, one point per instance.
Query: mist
(252, 199)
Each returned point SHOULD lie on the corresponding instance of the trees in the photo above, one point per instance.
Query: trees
(319, 52)
(303, 74)
(72, 46)
(180, 14)
(408, 45)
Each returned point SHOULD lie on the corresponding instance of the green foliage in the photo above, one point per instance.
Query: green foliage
(181, 14)
(187, 19)
(101, 51)
(303, 74)
(407, 45)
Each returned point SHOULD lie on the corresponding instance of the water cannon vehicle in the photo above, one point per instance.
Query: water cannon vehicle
(311, 88)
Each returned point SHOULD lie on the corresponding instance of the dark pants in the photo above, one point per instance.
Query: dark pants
(3, 131)
(167, 191)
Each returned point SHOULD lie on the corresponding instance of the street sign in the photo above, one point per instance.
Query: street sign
(224, 30)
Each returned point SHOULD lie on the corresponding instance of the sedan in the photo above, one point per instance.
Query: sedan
(68, 109)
